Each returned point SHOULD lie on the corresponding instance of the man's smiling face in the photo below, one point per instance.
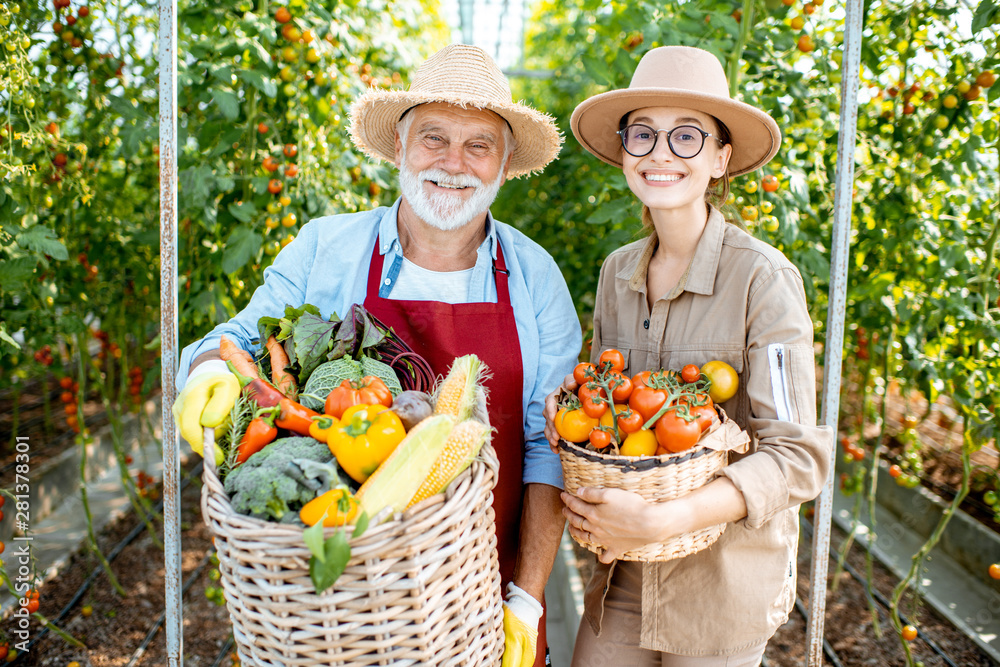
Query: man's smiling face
(451, 163)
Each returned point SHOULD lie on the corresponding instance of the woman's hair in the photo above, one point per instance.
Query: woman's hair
(718, 188)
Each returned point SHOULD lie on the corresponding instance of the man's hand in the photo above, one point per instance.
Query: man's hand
(552, 408)
(208, 396)
(521, 614)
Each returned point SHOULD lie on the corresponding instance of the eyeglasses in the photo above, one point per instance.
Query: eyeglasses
(684, 141)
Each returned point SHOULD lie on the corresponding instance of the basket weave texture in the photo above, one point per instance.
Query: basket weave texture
(657, 479)
(420, 589)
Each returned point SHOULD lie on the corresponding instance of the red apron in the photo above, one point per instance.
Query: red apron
(439, 332)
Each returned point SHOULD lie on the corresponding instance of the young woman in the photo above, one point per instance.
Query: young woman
(698, 289)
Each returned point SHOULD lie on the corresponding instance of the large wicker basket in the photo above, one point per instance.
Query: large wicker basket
(420, 589)
(657, 479)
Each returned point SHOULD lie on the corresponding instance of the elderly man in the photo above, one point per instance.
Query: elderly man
(450, 280)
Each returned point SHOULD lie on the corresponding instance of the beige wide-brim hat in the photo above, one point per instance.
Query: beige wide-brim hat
(465, 76)
(678, 76)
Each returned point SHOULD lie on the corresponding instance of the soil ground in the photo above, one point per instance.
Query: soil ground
(117, 627)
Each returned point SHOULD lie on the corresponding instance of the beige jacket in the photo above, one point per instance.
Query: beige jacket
(740, 301)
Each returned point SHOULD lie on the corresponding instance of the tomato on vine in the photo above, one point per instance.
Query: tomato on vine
(629, 421)
(909, 633)
(599, 438)
(691, 373)
(621, 387)
(593, 400)
(580, 373)
(647, 401)
(612, 360)
(675, 433)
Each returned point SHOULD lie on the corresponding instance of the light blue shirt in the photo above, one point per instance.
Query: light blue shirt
(327, 265)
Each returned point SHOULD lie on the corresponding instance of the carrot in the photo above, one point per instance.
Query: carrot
(282, 379)
(239, 359)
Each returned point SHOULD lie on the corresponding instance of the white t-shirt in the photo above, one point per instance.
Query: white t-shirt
(416, 283)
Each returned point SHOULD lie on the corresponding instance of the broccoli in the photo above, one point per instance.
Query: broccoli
(281, 478)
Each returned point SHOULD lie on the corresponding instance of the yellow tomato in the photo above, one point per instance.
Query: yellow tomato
(574, 425)
(607, 419)
(724, 379)
(640, 443)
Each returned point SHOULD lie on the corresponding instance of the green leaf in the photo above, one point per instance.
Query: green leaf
(244, 211)
(312, 336)
(241, 247)
(228, 103)
(223, 73)
(125, 108)
(42, 240)
(336, 554)
(362, 525)
(196, 185)
(984, 16)
(598, 70)
(313, 537)
(5, 337)
(16, 271)
(258, 80)
(225, 144)
(612, 211)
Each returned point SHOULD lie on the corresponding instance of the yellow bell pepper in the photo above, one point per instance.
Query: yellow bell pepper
(365, 436)
(339, 506)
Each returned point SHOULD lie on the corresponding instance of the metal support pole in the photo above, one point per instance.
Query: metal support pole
(833, 351)
(167, 53)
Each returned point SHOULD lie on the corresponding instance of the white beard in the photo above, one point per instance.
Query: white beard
(442, 210)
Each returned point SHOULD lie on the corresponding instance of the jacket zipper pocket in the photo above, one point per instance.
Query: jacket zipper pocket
(779, 387)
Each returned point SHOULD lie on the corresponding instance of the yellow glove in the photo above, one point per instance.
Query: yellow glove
(206, 400)
(521, 613)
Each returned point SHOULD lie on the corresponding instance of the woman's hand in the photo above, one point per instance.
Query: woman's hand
(621, 520)
(551, 408)
(616, 519)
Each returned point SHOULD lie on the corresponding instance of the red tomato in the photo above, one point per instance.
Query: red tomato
(612, 360)
(703, 414)
(690, 373)
(647, 401)
(629, 421)
(274, 186)
(580, 373)
(640, 379)
(769, 183)
(593, 401)
(621, 387)
(600, 439)
(676, 434)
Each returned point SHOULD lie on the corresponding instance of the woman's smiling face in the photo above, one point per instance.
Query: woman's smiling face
(663, 181)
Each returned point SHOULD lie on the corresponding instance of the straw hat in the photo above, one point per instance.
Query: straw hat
(678, 76)
(467, 77)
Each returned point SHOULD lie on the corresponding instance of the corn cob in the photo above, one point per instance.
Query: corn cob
(464, 443)
(456, 395)
(400, 476)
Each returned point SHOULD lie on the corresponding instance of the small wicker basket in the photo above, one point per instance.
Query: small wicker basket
(420, 589)
(657, 478)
